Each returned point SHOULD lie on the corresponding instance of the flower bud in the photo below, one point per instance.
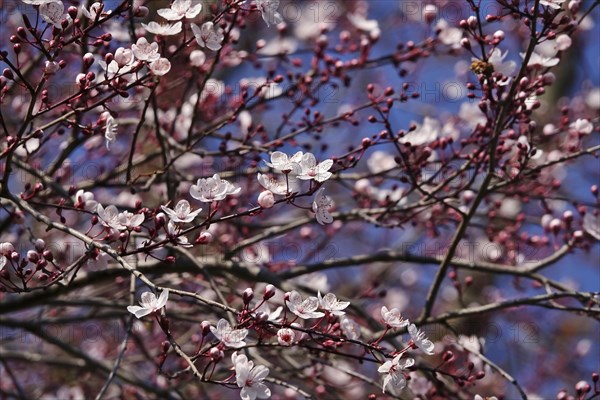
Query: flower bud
(33, 256)
(216, 354)
(88, 60)
(269, 292)
(72, 11)
(40, 244)
(266, 199)
(205, 328)
(51, 67)
(248, 295)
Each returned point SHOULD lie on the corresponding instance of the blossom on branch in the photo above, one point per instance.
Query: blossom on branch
(330, 303)
(321, 206)
(420, 340)
(182, 212)
(180, 9)
(212, 189)
(149, 303)
(268, 9)
(163, 29)
(208, 35)
(227, 335)
(250, 378)
(306, 308)
(392, 369)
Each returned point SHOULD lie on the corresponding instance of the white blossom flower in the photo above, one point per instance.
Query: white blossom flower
(360, 22)
(163, 29)
(330, 303)
(110, 129)
(85, 200)
(92, 13)
(53, 12)
(182, 212)
(393, 372)
(425, 133)
(180, 9)
(160, 67)
(123, 56)
(582, 126)
(450, 36)
(310, 169)
(109, 217)
(556, 4)
(392, 318)
(268, 9)
(227, 335)
(130, 220)
(250, 378)
(381, 161)
(286, 336)
(208, 35)
(174, 235)
(212, 189)
(563, 42)
(144, 51)
(349, 328)
(305, 309)
(274, 185)
(497, 60)
(321, 206)
(420, 339)
(149, 303)
(272, 316)
(283, 163)
(538, 61)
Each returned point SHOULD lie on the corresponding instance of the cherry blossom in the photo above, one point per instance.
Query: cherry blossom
(110, 217)
(591, 224)
(350, 328)
(538, 61)
(130, 220)
(160, 67)
(180, 9)
(85, 200)
(144, 51)
(330, 303)
(212, 189)
(448, 35)
(306, 308)
(425, 133)
(283, 163)
(420, 340)
(264, 311)
(392, 369)
(496, 58)
(163, 29)
(268, 9)
(182, 212)
(556, 4)
(286, 336)
(123, 56)
(582, 126)
(110, 129)
(149, 303)
(274, 185)
(227, 335)
(360, 22)
(53, 12)
(174, 235)
(310, 169)
(208, 35)
(320, 206)
(93, 12)
(250, 378)
(392, 318)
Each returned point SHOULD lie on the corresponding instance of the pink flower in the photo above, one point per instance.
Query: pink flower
(227, 335)
(149, 303)
(393, 372)
(180, 9)
(182, 212)
(392, 318)
(208, 35)
(420, 340)
(305, 309)
(250, 378)
(330, 303)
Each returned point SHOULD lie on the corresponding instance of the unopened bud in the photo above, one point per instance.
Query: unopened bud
(269, 292)
(248, 295)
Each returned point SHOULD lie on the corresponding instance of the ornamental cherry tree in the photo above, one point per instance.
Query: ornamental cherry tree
(278, 199)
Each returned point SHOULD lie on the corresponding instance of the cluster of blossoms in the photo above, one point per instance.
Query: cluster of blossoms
(250, 377)
(302, 166)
